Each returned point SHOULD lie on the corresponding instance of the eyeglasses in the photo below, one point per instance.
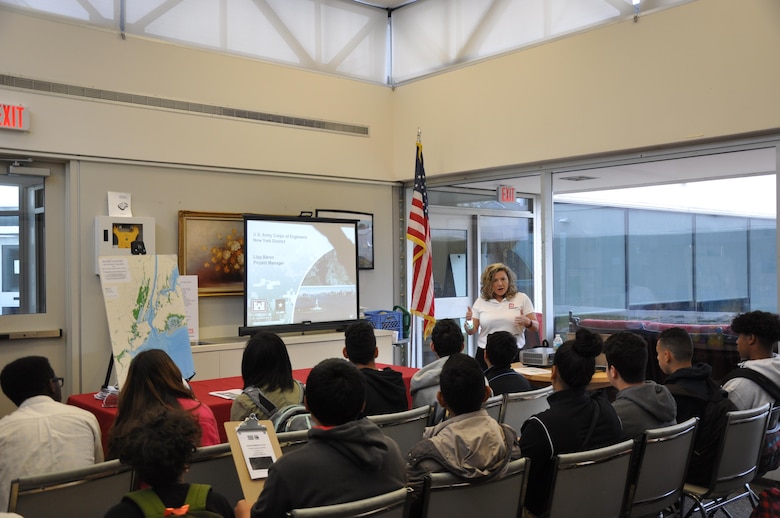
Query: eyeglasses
(60, 381)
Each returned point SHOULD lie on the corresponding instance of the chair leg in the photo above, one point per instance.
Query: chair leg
(697, 504)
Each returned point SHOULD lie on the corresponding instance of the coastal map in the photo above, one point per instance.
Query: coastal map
(145, 309)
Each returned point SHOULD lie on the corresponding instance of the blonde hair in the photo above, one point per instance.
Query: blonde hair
(486, 281)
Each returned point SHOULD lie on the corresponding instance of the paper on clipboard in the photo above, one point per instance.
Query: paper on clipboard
(256, 447)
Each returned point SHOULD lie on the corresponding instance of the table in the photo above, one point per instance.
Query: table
(201, 389)
(541, 376)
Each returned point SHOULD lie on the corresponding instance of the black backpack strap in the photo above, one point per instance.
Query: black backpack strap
(259, 399)
(759, 379)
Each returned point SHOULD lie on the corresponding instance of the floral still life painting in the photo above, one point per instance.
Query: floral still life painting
(211, 246)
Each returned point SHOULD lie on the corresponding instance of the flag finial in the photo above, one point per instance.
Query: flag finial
(419, 135)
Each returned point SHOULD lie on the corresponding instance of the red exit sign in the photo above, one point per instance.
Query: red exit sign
(14, 117)
(506, 194)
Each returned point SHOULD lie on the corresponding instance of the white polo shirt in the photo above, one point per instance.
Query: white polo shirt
(500, 316)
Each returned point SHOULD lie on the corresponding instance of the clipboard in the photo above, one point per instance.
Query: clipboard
(249, 486)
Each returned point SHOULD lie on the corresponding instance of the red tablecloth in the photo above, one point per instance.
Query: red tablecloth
(201, 389)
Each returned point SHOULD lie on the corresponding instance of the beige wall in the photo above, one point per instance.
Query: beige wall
(89, 57)
(704, 70)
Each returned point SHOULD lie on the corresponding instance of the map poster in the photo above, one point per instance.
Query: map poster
(145, 309)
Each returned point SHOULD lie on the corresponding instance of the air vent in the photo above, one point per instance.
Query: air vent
(578, 178)
(172, 104)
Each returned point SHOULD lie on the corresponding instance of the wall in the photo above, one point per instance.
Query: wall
(161, 192)
(95, 58)
(703, 70)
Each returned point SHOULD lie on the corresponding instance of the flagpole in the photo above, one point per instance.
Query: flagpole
(419, 232)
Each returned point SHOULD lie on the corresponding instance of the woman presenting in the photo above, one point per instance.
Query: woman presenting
(500, 307)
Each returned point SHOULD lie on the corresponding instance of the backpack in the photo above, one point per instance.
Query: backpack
(768, 504)
(152, 507)
(712, 427)
(770, 454)
(285, 419)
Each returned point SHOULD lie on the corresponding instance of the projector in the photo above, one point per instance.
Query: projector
(537, 356)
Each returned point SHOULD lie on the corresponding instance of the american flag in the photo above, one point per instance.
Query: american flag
(419, 232)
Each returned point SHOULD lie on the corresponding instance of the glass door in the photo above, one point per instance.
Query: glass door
(453, 264)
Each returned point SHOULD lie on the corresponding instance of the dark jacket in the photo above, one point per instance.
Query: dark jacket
(504, 380)
(385, 391)
(693, 379)
(563, 428)
(339, 464)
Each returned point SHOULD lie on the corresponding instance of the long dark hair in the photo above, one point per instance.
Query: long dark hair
(266, 364)
(153, 381)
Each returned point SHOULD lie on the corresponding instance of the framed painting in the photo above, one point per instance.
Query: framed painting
(365, 231)
(211, 246)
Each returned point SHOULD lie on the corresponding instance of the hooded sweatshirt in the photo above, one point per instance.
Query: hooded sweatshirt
(471, 445)
(746, 394)
(643, 407)
(385, 391)
(425, 383)
(694, 379)
(338, 464)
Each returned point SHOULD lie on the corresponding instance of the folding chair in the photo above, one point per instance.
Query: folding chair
(662, 456)
(494, 406)
(291, 441)
(388, 505)
(406, 427)
(736, 464)
(592, 483)
(519, 406)
(214, 465)
(445, 494)
(85, 492)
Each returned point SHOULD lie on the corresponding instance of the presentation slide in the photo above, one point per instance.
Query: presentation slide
(300, 271)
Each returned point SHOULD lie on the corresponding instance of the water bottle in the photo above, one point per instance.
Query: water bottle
(557, 342)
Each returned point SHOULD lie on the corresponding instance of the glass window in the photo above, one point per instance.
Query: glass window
(685, 253)
(509, 241)
(660, 260)
(721, 278)
(22, 253)
(589, 258)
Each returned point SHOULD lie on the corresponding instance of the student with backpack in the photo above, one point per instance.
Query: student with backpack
(757, 379)
(757, 333)
(269, 386)
(697, 395)
(159, 447)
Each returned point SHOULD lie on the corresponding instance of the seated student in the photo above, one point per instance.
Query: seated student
(43, 435)
(446, 339)
(266, 369)
(153, 381)
(385, 388)
(500, 350)
(640, 404)
(345, 458)
(470, 444)
(575, 421)
(694, 391)
(159, 447)
(757, 333)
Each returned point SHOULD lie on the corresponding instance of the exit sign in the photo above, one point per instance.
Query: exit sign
(14, 117)
(506, 194)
